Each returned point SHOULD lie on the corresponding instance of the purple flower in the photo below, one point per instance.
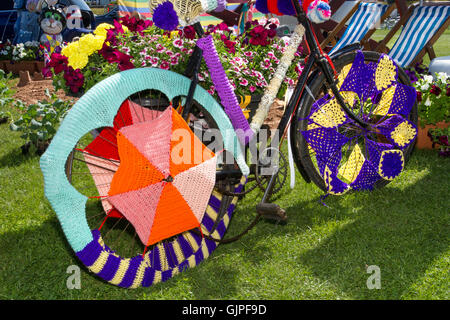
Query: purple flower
(165, 17)
(443, 140)
(411, 75)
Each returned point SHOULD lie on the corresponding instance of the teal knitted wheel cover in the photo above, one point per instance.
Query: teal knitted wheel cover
(97, 108)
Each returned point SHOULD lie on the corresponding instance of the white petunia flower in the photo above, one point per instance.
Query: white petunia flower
(442, 76)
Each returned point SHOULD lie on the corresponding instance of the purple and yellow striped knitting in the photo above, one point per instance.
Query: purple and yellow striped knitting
(349, 156)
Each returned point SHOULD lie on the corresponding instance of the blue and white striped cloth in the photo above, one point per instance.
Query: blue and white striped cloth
(419, 29)
(364, 19)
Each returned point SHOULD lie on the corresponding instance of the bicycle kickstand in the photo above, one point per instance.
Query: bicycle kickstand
(268, 210)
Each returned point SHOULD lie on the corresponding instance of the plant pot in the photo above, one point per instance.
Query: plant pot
(39, 66)
(3, 64)
(41, 147)
(3, 120)
(423, 141)
(16, 67)
(249, 105)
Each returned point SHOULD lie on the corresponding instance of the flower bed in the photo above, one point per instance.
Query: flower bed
(249, 59)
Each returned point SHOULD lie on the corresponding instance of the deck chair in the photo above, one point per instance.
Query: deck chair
(423, 25)
(364, 16)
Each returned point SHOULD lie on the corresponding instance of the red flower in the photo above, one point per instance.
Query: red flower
(230, 46)
(435, 90)
(58, 62)
(123, 61)
(419, 96)
(108, 53)
(448, 91)
(115, 56)
(223, 26)
(136, 25)
(74, 79)
(258, 36)
(189, 32)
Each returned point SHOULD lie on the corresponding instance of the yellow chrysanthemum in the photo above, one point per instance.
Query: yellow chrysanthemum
(78, 52)
(102, 29)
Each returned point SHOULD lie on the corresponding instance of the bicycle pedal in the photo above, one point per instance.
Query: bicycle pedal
(271, 211)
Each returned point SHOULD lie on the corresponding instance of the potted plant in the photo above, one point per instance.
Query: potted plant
(21, 57)
(433, 95)
(439, 138)
(38, 122)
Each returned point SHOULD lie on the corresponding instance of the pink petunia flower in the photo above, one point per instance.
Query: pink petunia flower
(160, 48)
(243, 82)
(164, 65)
(154, 61)
(174, 61)
(265, 64)
(178, 43)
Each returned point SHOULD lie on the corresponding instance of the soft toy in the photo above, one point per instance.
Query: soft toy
(37, 5)
(52, 21)
(318, 11)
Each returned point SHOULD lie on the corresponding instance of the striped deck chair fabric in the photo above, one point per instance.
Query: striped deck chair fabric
(127, 7)
(364, 19)
(419, 29)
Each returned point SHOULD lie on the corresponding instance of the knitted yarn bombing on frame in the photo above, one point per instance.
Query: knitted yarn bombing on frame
(317, 11)
(364, 86)
(167, 14)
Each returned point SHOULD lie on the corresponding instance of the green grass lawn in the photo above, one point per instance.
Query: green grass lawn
(321, 253)
(441, 47)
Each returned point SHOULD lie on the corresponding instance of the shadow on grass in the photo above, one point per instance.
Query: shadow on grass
(400, 229)
(15, 158)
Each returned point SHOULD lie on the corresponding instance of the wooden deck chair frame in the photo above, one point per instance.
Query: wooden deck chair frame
(338, 31)
(230, 17)
(428, 48)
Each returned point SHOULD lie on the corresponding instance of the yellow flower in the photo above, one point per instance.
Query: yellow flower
(102, 29)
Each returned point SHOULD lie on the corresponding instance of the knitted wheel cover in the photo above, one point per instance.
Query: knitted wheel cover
(375, 153)
(95, 109)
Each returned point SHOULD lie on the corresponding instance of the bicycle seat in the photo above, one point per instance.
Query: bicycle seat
(317, 11)
(168, 14)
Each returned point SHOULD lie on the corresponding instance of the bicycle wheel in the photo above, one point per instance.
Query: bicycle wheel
(107, 110)
(335, 151)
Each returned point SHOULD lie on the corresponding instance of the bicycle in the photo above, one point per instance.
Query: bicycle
(323, 104)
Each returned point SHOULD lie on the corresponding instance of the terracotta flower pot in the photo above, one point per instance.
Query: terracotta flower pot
(423, 140)
(3, 65)
(17, 66)
(39, 66)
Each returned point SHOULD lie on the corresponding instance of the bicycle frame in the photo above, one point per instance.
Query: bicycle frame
(316, 60)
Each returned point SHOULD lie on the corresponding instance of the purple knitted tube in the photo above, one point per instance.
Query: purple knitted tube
(225, 91)
(221, 5)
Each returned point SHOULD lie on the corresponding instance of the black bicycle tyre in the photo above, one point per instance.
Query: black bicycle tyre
(315, 83)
